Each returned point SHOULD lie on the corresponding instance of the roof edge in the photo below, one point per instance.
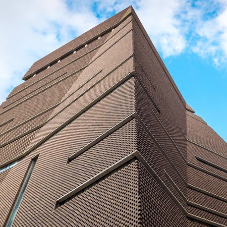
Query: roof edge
(78, 42)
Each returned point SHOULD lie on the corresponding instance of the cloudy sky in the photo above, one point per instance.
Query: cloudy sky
(191, 37)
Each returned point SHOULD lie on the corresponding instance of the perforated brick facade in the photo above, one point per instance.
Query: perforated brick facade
(99, 135)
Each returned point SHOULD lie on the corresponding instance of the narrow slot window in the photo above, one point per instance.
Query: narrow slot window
(21, 193)
(8, 166)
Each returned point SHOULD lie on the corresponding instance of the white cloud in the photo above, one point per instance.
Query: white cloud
(160, 19)
(176, 26)
(211, 32)
(31, 29)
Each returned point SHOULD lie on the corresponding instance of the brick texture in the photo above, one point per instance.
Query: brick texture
(85, 110)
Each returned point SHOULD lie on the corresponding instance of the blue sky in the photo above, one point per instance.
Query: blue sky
(190, 36)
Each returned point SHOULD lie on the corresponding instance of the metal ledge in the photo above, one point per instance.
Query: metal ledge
(101, 137)
(94, 179)
(196, 205)
(192, 187)
(211, 164)
(113, 129)
(5, 123)
(190, 203)
(120, 163)
(113, 167)
(207, 149)
(206, 171)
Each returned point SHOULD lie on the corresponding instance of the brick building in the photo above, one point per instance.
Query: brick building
(99, 135)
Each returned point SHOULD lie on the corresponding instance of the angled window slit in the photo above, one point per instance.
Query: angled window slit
(19, 198)
(8, 166)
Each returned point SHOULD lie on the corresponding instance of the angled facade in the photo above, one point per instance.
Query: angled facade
(99, 135)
